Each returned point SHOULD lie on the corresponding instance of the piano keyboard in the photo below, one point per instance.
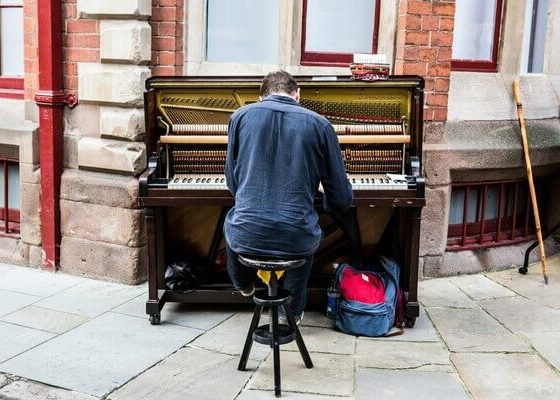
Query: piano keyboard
(358, 182)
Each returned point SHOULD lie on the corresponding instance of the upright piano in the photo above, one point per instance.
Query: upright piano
(379, 126)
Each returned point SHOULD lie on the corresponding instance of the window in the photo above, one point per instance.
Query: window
(476, 35)
(303, 37)
(9, 197)
(489, 214)
(11, 48)
(244, 31)
(332, 31)
(534, 38)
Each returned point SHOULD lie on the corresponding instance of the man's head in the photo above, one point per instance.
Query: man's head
(281, 83)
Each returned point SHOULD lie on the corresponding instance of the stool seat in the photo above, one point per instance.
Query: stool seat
(270, 263)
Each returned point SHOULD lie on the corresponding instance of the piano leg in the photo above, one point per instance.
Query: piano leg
(155, 261)
(413, 247)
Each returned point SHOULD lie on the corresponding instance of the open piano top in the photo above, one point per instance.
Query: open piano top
(379, 127)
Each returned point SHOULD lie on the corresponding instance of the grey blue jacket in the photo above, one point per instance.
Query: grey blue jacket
(278, 153)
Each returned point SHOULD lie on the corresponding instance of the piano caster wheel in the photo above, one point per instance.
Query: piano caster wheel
(155, 319)
(523, 270)
(409, 322)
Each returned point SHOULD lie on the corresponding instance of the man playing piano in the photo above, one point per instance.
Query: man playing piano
(278, 154)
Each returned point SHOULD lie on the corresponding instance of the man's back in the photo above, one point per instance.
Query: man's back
(278, 152)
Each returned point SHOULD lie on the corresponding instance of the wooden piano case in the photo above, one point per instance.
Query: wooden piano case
(379, 125)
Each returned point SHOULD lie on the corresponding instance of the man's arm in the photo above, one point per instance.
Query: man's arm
(337, 190)
(231, 156)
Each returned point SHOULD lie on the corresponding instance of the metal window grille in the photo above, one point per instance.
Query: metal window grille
(490, 214)
(9, 217)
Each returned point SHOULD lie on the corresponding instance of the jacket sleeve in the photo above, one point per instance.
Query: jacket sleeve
(231, 156)
(338, 194)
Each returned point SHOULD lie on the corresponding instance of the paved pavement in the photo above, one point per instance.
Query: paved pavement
(488, 336)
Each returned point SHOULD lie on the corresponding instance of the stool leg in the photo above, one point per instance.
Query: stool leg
(299, 339)
(276, 350)
(249, 340)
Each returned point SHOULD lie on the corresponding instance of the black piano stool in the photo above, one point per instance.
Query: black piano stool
(273, 333)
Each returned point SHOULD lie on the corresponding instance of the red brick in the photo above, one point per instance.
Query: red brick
(410, 53)
(164, 14)
(81, 55)
(439, 69)
(90, 41)
(413, 22)
(444, 54)
(167, 29)
(420, 7)
(71, 83)
(417, 38)
(167, 43)
(447, 24)
(440, 8)
(163, 70)
(442, 85)
(429, 84)
(440, 114)
(81, 26)
(430, 23)
(439, 100)
(415, 69)
(166, 58)
(399, 66)
(427, 54)
(70, 68)
(69, 11)
(163, 3)
(441, 39)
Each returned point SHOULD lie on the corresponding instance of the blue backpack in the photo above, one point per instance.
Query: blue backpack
(370, 303)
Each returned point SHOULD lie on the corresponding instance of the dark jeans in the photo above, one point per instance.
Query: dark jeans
(295, 280)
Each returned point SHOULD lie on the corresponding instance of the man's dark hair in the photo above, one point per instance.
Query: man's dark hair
(278, 82)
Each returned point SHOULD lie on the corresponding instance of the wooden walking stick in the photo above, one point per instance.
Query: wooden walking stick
(529, 170)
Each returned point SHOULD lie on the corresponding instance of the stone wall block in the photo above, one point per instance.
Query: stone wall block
(122, 123)
(23, 134)
(36, 256)
(95, 222)
(13, 251)
(121, 9)
(29, 213)
(82, 120)
(71, 151)
(126, 41)
(29, 173)
(105, 261)
(112, 84)
(433, 233)
(99, 188)
(111, 155)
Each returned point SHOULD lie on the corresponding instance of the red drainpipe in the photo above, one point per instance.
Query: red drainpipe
(50, 99)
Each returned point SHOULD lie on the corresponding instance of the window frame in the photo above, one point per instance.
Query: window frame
(333, 59)
(11, 87)
(503, 230)
(483, 65)
(10, 226)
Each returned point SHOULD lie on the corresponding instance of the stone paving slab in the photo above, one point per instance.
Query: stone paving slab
(381, 384)
(190, 373)
(324, 340)
(16, 339)
(23, 390)
(36, 282)
(195, 316)
(45, 319)
(474, 330)
(316, 318)
(548, 345)
(91, 298)
(522, 315)
(423, 331)
(442, 293)
(229, 338)
(431, 357)
(332, 374)
(507, 376)
(12, 301)
(261, 394)
(479, 287)
(101, 354)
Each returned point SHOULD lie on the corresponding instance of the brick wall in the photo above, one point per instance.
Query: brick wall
(167, 37)
(80, 43)
(30, 48)
(424, 39)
